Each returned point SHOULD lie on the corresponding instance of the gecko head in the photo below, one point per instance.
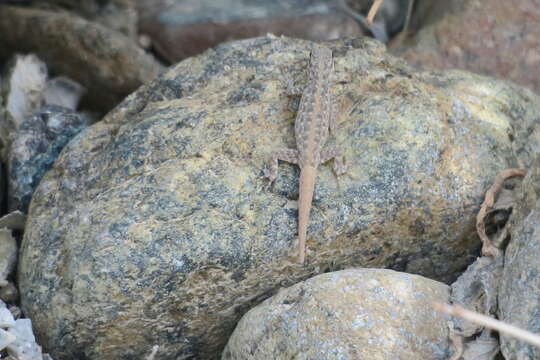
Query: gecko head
(321, 59)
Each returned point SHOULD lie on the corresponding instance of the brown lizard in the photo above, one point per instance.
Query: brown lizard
(316, 116)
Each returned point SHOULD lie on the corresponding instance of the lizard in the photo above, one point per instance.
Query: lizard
(315, 118)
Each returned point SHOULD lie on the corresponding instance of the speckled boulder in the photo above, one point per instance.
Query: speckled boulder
(346, 315)
(156, 226)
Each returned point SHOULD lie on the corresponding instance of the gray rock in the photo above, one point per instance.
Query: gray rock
(186, 28)
(156, 225)
(479, 36)
(35, 148)
(477, 290)
(108, 64)
(24, 347)
(119, 15)
(8, 255)
(62, 91)
(16, 311)
(9, 293)
(346, 315)
(15, 220)
(519, 303)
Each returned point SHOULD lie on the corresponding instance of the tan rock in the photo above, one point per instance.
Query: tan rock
(157, 227)
(347, 315)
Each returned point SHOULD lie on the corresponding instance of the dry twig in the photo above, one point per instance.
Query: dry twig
(490, 323)
(488, 249)
(373, 11)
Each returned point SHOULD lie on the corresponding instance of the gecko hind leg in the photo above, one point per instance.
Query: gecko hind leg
(336, 153)
(288, 155)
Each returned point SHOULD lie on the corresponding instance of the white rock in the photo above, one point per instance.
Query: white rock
(63, 91)
(6, 318)
(24, 347)
(6, 338)
(25, 82)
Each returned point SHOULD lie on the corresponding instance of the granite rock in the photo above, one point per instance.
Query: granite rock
(346, 315)
(159, 218)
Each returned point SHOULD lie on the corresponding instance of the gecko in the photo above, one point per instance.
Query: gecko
(316, 117)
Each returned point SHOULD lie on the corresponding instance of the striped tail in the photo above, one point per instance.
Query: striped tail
(307, 186)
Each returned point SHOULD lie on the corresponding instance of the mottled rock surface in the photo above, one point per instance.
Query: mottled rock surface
(519, 303)
(346, 315)
(119, 15)
(156, 226)
(186, 28)
(493, 37)
(35, 147)
(107, 63)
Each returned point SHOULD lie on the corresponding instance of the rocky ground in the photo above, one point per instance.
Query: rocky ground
(138, 223)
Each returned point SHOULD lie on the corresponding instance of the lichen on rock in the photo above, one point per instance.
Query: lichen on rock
(156, 225)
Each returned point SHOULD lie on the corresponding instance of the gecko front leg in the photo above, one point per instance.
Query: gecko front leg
(288, 155)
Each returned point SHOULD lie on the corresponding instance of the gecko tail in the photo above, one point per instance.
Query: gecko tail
(307, 187)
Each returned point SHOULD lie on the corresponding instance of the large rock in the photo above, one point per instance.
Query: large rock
(493, 37)
(108, 64)
(519, 303)
(186, 28)
(346, 315)
(156, 226)
(119, 15)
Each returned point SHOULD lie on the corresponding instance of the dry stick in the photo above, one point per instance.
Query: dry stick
(488, 249)
(373, 11)
(489, 323)
(377, 32)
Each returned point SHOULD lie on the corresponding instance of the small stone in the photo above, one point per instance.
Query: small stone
(8, 255)
(25, 84)
(6, 338)
(16, 311)
(63, 91)
(14, 221)
(9, 293)
(35, 148)
(6, 318)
